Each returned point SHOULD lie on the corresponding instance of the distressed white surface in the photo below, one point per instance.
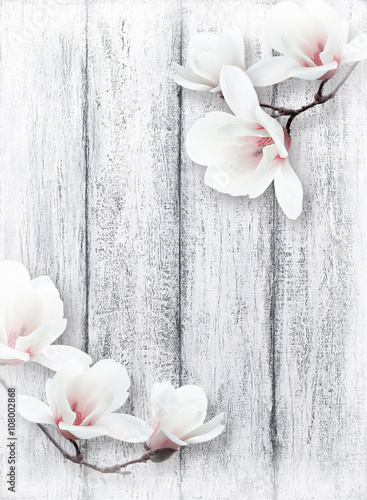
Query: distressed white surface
(173, 279)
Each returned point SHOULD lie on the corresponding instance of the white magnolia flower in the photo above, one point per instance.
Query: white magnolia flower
(313, 39)
(31, 318)
(234, 147)
(81, 401)
(178, 417)
(208, 53)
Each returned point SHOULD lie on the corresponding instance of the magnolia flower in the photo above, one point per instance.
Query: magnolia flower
(31, 318)
(178, 416)
(235, 147)
(313, 39)
(207, 54)
(81, 401)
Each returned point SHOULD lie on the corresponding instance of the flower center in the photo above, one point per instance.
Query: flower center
(12, 337)
(316, 57)
(260, 145)
(79, 417)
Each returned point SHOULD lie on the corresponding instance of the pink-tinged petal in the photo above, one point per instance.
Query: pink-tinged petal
(239, 93)
(336, 42)
(288, 190)
(271, 70)
(284, 17)
(13, 275)
(63, 410)
(23, 314)
(164, 439)
(204, 428)
(206, 437)
(231, 49)
(192, 77)
(164, 402)
(42, 337)
(81, 432)
(241, 129)
(294, 51)
(265, 172)
(7, 355)
(34, 410)
(126, 427)
(356, 50)
(274, 129)
(56, 357)
(114, 376)
(313, 73)
(50, 297)
(102, 408)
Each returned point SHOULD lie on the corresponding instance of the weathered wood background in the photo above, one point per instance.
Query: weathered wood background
(173, 279)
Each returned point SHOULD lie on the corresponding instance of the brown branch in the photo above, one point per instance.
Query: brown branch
(79, 457)
(319, 98)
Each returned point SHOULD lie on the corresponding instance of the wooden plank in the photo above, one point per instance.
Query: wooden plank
(226, 297)
(42, 219)
(133, 218)
(320, 340)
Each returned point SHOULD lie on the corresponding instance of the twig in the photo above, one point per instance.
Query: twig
(319, 98)
(79, 457)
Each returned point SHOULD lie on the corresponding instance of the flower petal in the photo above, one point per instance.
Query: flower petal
(191, 80)
(265, 172)
(203, 144)
(23, 312)
(34, 410)
(274, 129)
(164, 402)
(13, 275)
(126, 427)
(102, 407)
(62, 406)
(57, 356)
(356, 49)
(50, 297)
(81, 432)
(205, 428)
(41, 337)
(271, 70)
(239, 93)
(206, 437)
(113, 376)
(313, 73)
(236, 182)
(336, 42)
(288, 190)
(231, 49)
(7, 353)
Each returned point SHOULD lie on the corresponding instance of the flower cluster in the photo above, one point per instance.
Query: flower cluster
(83, 399)
(247, 150)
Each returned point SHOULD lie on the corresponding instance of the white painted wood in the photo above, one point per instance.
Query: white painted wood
(133, 219)
(42, 204)
(321, 297)
(226, 300)
(267, 315)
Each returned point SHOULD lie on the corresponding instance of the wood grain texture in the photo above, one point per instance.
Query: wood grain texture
(133, 217)
(173, 279)
(42, 203)
(320, 339)
(226, 298)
